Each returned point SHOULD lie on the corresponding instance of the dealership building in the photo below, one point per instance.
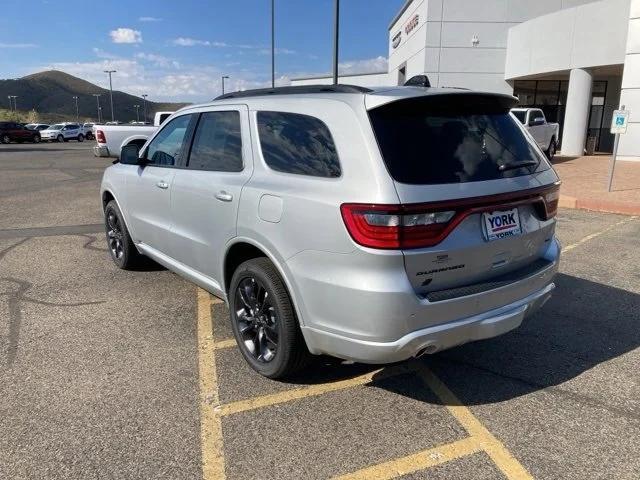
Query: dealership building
(577, 60)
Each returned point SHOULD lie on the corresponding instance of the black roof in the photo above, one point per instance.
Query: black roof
(294, 90)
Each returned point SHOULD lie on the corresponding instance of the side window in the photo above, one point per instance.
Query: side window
(300, 144)
(165, 148)
(217, 144)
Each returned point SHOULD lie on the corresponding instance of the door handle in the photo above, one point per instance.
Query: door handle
(162, 184)
(224, 196)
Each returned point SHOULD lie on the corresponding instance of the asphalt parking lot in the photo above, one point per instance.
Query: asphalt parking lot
(113, 374)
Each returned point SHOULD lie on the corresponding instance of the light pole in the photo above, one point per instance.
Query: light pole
(273, 45)
(15, 102)
(109, 72)
(10, 104)
(223, 77)
(144, 109)
(137, 107)
(75, 97)
(98, 95)
(336, 28)
(99, 114)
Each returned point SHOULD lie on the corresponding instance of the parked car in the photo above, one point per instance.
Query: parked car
(111, 137)
(15, 132)
(544, 133)
(37, 126)
(87, 129)
(370, 225)
(63, 132)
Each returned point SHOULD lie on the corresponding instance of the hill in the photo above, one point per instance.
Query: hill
(51, 94)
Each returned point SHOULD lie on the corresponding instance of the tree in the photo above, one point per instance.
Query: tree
(33, 116)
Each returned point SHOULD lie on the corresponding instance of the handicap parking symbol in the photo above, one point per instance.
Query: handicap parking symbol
(620, 121)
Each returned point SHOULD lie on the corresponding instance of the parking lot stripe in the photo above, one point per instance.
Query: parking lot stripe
(490, 444)
(210, 421)
(568, 248)
(417, 461)
(310, 391)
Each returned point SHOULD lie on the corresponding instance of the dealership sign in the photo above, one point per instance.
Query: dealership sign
(412, 24)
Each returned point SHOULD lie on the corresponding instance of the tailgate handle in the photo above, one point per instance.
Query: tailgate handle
(162, 184)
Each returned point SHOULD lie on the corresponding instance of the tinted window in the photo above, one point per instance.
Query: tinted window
(300, 144)
(521, 115)
(217, 144)
(165, 147)
(452, 139)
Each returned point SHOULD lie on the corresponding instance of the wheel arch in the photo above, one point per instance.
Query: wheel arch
(107, 195)
(240, 250)
(138, 139)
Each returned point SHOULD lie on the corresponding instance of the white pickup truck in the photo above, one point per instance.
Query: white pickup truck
(545, 134)
(111, 138)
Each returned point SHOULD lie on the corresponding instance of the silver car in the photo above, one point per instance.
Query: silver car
(373, 225)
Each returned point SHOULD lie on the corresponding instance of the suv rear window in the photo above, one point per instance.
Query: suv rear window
(453, 139)
(295, 143)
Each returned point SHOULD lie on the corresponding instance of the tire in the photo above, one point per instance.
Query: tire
(278, 320)
(60, 139)
(80, 138)
(121, 248)
(6, 138)
(36, 139)
(551, 151)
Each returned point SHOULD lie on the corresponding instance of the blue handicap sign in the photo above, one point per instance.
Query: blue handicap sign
(620, 120)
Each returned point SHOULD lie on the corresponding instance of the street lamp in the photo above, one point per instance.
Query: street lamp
(10, 104)
(273, 45)
(75, 97)
(223, 77)
(109, 72)
(336, 27)
(144, 102)
(137, 107)
(15, 102)
(98, 95)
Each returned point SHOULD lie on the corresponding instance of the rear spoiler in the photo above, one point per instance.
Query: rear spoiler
(441, 98)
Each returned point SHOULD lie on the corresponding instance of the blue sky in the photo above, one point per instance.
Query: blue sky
(177, 50)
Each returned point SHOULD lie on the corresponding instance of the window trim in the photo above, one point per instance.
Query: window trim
(192, 139)
(297, 175)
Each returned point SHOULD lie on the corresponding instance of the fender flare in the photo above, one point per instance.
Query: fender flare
(277, 262)
(132, 138)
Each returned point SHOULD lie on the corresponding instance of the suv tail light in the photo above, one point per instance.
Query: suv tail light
(399, 227)
(100, 136)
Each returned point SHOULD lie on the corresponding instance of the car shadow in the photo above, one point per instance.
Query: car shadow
(583, 325)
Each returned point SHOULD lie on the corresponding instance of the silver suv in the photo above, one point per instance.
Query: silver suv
(371, 225)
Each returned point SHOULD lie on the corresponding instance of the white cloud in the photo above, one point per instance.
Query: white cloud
(190, 42)
(18, 45)
(125, 35)
(102, 54)
(369, 65)
(158, 60)
(149, 19)
(279, 51)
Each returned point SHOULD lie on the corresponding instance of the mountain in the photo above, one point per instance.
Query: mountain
(51, 94)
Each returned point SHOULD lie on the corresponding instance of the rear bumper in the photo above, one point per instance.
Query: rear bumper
(101, 151)
(363, 308)
(432, 339)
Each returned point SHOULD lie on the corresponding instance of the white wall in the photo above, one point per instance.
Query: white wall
(412, 45)
(630, 96)
(580, 37)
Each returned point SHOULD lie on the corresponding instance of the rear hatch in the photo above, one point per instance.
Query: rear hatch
(477, 195)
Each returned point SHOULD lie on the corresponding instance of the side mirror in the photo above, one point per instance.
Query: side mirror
(129, 155)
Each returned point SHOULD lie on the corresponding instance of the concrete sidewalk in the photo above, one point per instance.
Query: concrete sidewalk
(585, 181)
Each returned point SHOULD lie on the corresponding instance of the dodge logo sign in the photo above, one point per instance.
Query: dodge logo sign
(396, 40)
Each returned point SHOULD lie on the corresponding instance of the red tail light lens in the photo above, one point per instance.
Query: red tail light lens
(398, 227)
(394, 226)
(100, 136)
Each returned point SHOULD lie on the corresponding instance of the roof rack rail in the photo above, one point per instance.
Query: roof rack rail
(296, 89)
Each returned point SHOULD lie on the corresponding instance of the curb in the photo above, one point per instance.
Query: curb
(599, 205)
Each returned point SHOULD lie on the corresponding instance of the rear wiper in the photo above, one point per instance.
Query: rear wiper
(514, 165)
